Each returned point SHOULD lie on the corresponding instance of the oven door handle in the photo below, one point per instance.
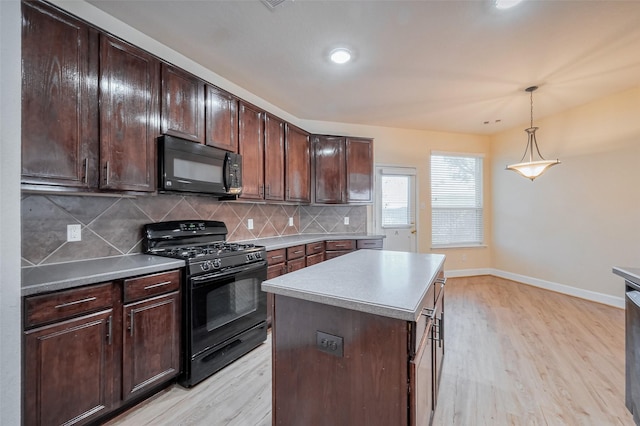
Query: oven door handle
(231, 271)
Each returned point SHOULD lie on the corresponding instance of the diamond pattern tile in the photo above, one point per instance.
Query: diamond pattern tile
(113, 226)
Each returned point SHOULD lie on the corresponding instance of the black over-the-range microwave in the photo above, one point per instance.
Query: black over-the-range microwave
(185, 166)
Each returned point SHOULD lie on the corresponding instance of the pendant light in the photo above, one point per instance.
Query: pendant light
(534, 167)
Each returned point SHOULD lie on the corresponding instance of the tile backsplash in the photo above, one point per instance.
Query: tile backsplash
(113, 226)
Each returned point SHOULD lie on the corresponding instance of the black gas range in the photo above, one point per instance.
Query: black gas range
(224, 309)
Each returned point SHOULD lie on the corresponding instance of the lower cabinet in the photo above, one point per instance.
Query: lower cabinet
(86, 353)
(335, 248)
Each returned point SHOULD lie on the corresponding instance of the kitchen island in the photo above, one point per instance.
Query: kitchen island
(358, 340)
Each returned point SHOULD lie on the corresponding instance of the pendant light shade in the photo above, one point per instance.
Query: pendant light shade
(536, 166)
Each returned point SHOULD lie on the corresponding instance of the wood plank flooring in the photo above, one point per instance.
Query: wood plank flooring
(515, 355)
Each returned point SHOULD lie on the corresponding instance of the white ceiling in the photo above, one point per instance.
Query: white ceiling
(437, 65)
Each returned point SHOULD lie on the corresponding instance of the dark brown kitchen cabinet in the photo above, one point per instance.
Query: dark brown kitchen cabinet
(277, 265)
(129, 116)
(359, 158)
(93, 349)
(151, 344)
(251, 147)
(342, 170)
(336, 248)
(69, 355)
(421, 377)
(221, 123)
(297, 165)
(182, 104)
(315, 253)
(370, 243)
(329, 169)
(59, 98)
(273, 158)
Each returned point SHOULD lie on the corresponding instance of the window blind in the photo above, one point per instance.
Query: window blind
(456, 200)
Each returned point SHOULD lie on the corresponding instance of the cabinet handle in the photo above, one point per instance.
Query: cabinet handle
(268, 189)
(298, 252)
(131, 322)
(276, 257)
(340, 245)
(441, 327)
(261, 190)
(109, 329)
(106, 173)
(85, 166)
(157, 285)
(77, 302)
(442, 281)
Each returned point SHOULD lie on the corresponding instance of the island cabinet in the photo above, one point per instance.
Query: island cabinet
(297, 165)
(342, 170)
(89, 106)
(360, 352)
(90, 350)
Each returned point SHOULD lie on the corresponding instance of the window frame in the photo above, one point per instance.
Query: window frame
(479, 177)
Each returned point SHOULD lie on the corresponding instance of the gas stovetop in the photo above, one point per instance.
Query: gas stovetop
(201, 244)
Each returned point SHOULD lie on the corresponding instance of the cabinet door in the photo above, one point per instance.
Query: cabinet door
(421, 382)
(297, 165)
(250, 146)
(182, 104)
(329, 162)
(151, 343)
(438, 340)
(273, 158)
(221, 119)
(69, 371)
(359, 159)
(129, 115)
(59, 98)
(297, 264)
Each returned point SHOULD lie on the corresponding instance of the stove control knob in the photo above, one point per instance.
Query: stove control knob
(205, 266)
(258, 256)
(217, 263)
(250, 256)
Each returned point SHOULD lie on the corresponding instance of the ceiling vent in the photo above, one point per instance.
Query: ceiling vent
(272, 4)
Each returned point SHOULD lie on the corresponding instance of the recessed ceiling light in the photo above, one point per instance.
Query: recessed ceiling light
(340, 56)
(506, 4)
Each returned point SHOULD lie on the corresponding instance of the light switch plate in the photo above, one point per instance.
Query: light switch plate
(249, 223)
(74, 232)
(290, 221)
(346, 220)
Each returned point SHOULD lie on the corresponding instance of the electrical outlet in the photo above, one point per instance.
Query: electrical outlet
(74, 232)
(346, 220)
(290, 221)
(249, 223)
(330, 344)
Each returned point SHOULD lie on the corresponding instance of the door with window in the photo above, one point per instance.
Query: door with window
(395, 207)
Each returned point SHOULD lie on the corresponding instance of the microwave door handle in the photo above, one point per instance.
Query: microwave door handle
(183, 181)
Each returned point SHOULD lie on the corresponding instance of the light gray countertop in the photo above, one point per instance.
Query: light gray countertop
(388, 283)
(275, 243)
(61, 276)
(629, 274)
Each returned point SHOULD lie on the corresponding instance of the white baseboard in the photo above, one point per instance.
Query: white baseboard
(593, 296)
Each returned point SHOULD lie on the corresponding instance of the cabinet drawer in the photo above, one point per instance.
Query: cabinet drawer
(276, 270)
(340, 245)
(313, 248)
(315, 258)
(66, 304)
(369, 244)
(151, 285)
(294, 265)
(276, 256)
(333, 254)
(295, 252)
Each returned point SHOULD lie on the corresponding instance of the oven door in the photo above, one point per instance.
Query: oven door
(224, 305)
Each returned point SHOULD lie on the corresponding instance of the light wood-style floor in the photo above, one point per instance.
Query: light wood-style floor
(515, 355)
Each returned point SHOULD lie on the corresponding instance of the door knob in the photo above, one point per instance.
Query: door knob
(414, 231)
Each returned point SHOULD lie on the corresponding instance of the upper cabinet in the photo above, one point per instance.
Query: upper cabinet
(182, 104)
(359, 158)
(251, 147)
(221, 119)
(343, 170)
(59, 98)
(273, 158)
(297, 165)
(89, 109)
(129, 115)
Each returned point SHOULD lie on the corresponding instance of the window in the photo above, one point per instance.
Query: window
(456, 200)
(397, 208)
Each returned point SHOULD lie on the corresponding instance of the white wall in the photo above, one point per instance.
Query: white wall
(572, 225)
(10, 323)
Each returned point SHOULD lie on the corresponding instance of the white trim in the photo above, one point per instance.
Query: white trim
(458, 154)
(593, 296)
